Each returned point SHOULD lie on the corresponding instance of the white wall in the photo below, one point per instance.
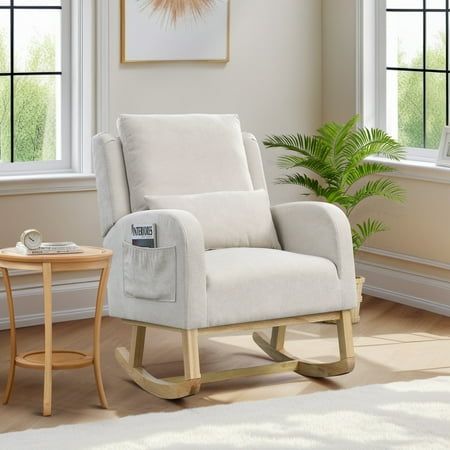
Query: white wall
(338, 53)
(411, 262)
(273, 81)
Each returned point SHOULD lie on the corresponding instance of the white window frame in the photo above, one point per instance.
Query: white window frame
(78, 116)
(371, 72)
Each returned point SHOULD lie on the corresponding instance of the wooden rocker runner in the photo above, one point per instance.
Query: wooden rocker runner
(222, 258)
(178, 387)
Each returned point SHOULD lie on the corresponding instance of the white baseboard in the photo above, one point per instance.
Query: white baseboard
(401, 286)
(73, 299)
(405, 257)
(29, 320)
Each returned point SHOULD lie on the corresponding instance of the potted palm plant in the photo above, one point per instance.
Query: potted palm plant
(340, 173)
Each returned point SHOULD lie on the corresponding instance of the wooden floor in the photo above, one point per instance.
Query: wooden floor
(393, 342)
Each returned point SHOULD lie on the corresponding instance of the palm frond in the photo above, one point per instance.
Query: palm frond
(328, 133)
(382, 187)
(337, 197)
(309, 146)
(304, 181)
(361, 232)
(330, 193)
(335, 135)
(318, 166)
(367, 142)
(365, 169)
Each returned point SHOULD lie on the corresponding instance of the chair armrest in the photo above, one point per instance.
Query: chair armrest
(173, 228)
(318, 229)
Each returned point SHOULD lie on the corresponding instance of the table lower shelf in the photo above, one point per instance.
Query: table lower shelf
(62, 359)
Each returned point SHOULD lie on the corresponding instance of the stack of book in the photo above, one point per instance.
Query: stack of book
(49, 248)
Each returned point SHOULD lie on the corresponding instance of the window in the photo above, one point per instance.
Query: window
(34, 86)
(47, 93)
(405, 57)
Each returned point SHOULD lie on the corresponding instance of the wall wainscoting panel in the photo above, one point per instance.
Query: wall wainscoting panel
(408, 258)
(402, 286)
(73, 299)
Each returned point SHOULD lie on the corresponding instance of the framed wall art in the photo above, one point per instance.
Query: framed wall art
(173, 30)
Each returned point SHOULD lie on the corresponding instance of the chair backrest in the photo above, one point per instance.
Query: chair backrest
(113, 181)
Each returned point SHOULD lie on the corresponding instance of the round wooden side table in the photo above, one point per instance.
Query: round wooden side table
(92, 258)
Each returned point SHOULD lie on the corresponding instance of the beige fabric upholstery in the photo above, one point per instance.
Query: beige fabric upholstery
(182, 154)
(248, 284)
(319, 229)
(228, 219)
(315, 272)
(254, 161)
(112, 185)
(178, 229)
(112, 193)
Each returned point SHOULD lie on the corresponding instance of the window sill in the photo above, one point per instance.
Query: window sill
(417, 170)
(47, 183)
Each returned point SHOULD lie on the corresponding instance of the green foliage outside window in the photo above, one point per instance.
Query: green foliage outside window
(34, 105)
(410, 100)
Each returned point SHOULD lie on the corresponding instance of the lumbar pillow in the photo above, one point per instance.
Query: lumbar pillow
(183, 154)
(228, 218)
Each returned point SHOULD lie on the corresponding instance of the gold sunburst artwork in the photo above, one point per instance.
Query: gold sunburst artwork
(171, 11)
(175, 30)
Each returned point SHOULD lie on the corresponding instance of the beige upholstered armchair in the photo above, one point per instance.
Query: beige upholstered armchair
(224, 259)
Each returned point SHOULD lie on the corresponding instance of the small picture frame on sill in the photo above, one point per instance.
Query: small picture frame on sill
(444, 148)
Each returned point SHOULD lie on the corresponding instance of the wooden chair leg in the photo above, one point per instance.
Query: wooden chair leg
(137, 345)
(278, 337)
(345, 335)
(132, 363)
(190, 355)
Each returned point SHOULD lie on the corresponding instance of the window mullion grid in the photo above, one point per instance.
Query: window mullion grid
(13, 73)
(424, 69)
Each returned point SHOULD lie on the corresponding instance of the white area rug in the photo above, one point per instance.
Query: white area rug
(409, 415)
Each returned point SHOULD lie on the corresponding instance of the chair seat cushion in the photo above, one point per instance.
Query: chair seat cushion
(251, 284)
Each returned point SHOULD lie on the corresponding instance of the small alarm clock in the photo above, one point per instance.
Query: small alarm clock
(32, 239)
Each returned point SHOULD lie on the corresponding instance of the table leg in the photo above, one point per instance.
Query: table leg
(47, 283)
(97, 329)
(12, 336)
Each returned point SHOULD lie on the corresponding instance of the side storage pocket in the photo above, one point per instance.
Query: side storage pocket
(149, 273)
